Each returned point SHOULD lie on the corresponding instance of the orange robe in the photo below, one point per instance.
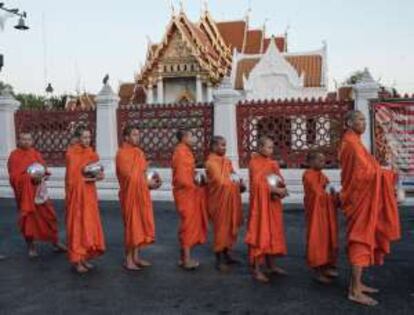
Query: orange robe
(190, 199)
(224, 202)
(265, 230)
(36, 222)
(135, 198)
(369, 202)
(84, 232)
(321, 220)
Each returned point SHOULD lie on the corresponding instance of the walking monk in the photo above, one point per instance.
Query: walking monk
(134, 195)
(370, 206)
(37, 222)
(83, 223)
(321, 220)
(265, 230)
(224, 202)
(190, 200)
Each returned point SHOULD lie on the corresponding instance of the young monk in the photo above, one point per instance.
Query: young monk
(190, 200)
(83, 223)
(224, 203)
(370, 207)
(321, 220)
(37, 222)
(265, 230)
(135, 198)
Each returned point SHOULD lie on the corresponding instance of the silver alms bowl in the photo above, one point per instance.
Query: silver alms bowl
(36, 170)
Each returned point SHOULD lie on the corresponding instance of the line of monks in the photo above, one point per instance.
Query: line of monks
(367, 199)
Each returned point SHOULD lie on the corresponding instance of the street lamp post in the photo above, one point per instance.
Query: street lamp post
(21, 24)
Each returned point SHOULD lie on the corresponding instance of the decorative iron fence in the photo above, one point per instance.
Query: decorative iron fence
(52, 130)
(159, 123)
(296, 127)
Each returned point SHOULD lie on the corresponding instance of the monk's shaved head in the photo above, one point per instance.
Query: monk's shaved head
(218, 145)
(25, 140)
(263, 141)
(265, 146)
(356, 121)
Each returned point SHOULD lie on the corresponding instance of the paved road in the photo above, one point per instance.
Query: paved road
(48, 286)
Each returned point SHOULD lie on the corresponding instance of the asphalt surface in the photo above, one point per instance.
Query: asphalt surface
(47, 285)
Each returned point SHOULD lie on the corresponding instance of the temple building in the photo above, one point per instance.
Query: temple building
(192, 58)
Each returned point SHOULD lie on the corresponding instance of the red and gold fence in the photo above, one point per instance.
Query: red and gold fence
(52, 130)
(393, 132)
(159, 123)
(296, 126)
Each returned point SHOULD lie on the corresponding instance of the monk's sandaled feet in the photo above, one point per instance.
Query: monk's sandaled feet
(131, 266)
(331, 272)
(260, 276)
(190, 265)
(321, 278)
(88, 265)
(80, 268)
(59, 248)
(142, 263)
(362, 299)
(367, 289)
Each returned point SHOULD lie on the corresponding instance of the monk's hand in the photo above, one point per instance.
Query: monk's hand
(37, 180)
(100, 176)
(280, 192)
(155, 183)
(242, 186)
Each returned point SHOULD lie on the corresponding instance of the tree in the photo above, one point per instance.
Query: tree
(5, 86)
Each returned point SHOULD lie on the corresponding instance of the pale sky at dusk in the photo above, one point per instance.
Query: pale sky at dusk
(86, 39)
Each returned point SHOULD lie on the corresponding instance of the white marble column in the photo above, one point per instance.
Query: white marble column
(209, 92)
(106, 127)
(8, 106)
(160, 91)
(199, 89)
(150, 94)
(225, 102)
(365, 90)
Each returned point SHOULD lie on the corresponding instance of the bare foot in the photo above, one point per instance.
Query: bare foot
(33, 253)
(142, 263)
(367, 289)
(362, 298)
(276, 270)
(190, 265)
(331, 272)
(80, 268)
(59, 248)
(260, 276)
(131, 266)
(88, 265)
(222, 267)
(322, 278)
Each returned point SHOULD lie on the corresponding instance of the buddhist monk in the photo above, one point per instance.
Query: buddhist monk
(320, 202)
(224, 203)
(37, 222)
(370, 207)
(83, 223)
(135, 198)
(265, 235)
(190, 200)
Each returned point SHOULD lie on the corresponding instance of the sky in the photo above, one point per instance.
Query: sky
(74, 43)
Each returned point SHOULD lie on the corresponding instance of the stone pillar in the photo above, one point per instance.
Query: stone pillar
(150, 94)
(209, 92)
(225, 102)
(160, 91)
(106, 126)
(8, 105)
(365, 90)
(199, 89)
